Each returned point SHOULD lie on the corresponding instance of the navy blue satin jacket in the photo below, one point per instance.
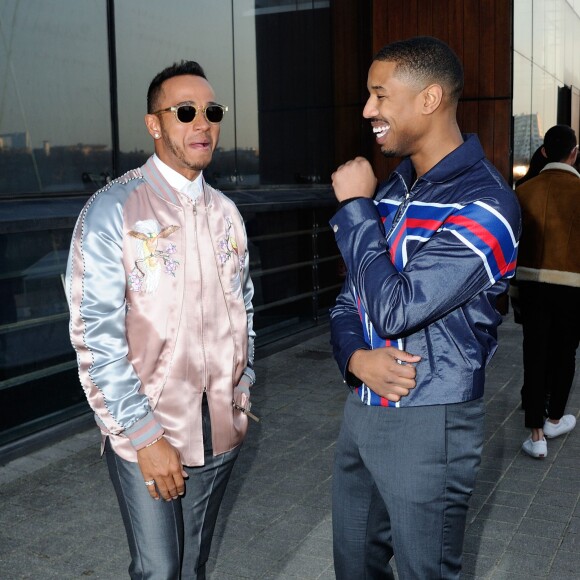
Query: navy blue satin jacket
(425, 264)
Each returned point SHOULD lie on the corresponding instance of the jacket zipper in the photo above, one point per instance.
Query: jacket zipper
(201, 293)
(398, 215)
(400, 210)
(225, 299)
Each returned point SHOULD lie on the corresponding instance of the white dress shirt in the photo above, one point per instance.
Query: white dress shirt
(191, 188)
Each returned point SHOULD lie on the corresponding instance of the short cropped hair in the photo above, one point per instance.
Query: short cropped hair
(559, 142)
(425, 60)
(185, 67)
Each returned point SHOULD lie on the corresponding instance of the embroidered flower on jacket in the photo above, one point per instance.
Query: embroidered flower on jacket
(135, 280)
(228, 245)
(171, 266)
(243, 261)
(144, 277)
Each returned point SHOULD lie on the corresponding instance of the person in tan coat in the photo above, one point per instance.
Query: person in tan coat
(548, 275)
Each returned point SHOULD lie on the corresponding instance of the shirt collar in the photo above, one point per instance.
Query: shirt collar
(191, 188)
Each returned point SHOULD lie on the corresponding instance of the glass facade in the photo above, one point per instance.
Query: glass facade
(73, 81)
(271, 66)
(546, 73)
(269, 61)
(55, 130)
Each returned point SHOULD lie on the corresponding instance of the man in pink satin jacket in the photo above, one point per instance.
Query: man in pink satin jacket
(161, 319)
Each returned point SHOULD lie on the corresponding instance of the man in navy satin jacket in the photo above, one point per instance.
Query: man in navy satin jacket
(426, 260)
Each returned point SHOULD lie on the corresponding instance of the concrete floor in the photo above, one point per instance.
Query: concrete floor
(59, 518)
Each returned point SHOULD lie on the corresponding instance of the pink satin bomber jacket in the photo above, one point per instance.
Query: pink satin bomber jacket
(160, 301)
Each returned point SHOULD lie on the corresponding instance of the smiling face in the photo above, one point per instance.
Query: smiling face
(396, 110)
(186, 148)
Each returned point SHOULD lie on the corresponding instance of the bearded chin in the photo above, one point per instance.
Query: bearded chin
(389, 153)
(197, 166)
(194, 166)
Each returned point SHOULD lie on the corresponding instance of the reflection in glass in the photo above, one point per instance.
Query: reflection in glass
(34, 313)
(295, 94)
(526, 125)
(522, 27)
(546, 58)
(54, 96)
(274, 73)
(191, 30)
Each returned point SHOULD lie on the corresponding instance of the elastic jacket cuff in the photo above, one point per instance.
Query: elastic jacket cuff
(144, 431)
(347, 201)
(250, 376)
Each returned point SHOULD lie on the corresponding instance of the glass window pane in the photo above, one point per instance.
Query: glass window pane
(54, 96)
(188, 31)
(523, 27)
(544, 98)
(522, 85)
(34, 313)
(295, 93)
(526, 128)
(271, 67)
(247, 172)
(551, 27)
(538, 31)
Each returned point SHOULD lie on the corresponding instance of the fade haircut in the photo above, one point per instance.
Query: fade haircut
(424, 60)
(185, 67)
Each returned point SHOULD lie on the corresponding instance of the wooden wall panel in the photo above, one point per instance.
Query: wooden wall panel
(471, 48)
(410, 17)
(468, 116)
(352, 42)
(439, 23)
(503, 128)
(456, 30)
(486, 50)
(480, 32)
(503, 57)
(425, 15)
(485, 124)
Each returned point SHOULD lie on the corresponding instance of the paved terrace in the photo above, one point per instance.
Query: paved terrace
(59, 518)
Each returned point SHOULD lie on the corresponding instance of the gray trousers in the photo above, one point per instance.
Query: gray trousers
(401, 484)
(171, 540)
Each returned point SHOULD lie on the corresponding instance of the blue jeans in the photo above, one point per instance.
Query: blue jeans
(401, 485)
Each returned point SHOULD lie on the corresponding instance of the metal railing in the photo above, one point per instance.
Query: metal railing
(315, 259)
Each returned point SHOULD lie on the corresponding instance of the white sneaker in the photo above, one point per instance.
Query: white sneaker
(537, 449)
(566, 424)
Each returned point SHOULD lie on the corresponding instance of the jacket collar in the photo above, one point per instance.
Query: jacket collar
(162, 187)
(560, 167)
(452, 165)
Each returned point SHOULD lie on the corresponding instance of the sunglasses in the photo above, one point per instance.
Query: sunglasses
(187, 113)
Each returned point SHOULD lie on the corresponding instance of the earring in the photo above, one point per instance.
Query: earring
(156, 135)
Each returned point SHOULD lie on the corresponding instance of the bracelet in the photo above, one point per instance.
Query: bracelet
(155, 441)
(249, 372)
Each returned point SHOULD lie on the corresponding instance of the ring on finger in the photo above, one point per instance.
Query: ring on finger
(150, 482)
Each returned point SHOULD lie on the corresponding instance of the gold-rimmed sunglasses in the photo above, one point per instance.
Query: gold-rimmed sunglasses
(186, 113)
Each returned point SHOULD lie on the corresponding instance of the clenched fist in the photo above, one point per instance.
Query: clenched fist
(354, 179)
